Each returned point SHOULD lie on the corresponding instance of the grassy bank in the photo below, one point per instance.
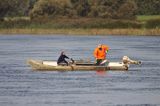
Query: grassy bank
(83, 31)
(144, 25)
(145, 18)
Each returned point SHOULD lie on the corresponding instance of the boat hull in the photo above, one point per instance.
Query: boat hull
(39, 65)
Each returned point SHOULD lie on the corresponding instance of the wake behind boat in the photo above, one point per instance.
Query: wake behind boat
(82, 65)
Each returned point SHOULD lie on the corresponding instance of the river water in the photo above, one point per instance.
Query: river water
(20, 86)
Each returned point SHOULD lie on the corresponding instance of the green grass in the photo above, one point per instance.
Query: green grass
(145, 18)
(58, 23)
(16, 18)
(80, 31)
(143, 21)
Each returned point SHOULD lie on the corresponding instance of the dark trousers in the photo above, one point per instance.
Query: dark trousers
(98, 62)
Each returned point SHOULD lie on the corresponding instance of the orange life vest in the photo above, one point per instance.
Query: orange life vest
(105, 47)
(101, 54)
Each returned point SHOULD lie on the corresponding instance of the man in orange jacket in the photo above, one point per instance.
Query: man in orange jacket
(100, 53)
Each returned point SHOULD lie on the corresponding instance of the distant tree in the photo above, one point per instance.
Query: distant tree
(148, 7)
(116, 9)
(13, 7)
(30, 6)
(32, 3)
(50, 8)
(20, 8)
(82, 7)
(127, 10)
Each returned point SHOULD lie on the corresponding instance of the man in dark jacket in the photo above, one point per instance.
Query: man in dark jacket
(62, 58)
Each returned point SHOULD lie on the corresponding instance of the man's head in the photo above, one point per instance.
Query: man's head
(100, 46)
(62, 53)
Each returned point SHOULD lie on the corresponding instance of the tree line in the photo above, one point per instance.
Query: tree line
(148, 7)
(116, 9)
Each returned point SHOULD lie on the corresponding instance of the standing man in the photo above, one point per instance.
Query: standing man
(100, 53)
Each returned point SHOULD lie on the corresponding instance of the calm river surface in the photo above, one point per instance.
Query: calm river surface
(20, 86)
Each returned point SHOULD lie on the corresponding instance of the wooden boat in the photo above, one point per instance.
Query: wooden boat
(81, 66)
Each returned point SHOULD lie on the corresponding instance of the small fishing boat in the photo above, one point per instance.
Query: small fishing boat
(82, 65)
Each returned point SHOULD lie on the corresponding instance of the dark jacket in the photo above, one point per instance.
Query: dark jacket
(61, 59)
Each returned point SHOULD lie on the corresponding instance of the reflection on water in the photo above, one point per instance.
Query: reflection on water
(20, 86)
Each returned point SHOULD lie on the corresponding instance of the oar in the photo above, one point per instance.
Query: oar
(104, 62)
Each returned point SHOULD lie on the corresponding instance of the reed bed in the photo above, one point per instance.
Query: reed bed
(81, 26)
(80, 31)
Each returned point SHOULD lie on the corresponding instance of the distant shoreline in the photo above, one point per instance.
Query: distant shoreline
(143, 25)
(81, 31)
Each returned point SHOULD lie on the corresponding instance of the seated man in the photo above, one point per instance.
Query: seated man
(62, 58)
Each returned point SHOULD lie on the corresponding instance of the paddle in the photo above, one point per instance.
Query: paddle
(104, 62)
